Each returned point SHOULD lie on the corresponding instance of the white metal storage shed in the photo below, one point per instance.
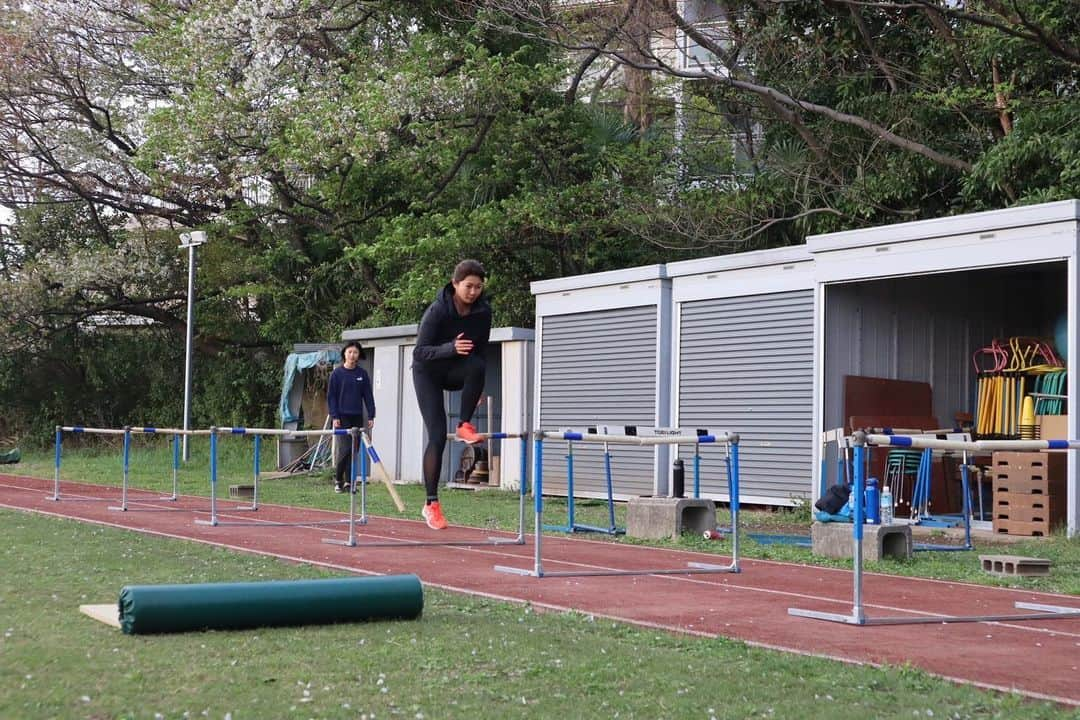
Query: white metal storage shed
(913, 301)
(603, 350)
(743, 362)
(399, 429)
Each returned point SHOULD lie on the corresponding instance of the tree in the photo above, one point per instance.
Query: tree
(342, 156)
(859, 112)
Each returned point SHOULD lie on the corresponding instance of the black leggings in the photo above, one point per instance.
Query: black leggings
(430, 379)
(341, 469)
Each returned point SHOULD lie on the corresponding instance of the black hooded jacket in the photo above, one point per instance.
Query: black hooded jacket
(441, 324)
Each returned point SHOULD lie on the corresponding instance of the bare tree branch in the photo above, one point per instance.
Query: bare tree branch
(864, 33)
(1006, 22)
(485, 124)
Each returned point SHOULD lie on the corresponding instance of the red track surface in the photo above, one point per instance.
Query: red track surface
(1038, 658)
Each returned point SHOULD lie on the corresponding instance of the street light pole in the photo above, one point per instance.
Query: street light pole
(191, 241)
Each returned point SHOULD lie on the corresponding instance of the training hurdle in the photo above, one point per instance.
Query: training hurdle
(519, 540)
(174, 438)
(861, 442)
(572, 525)
(257, 434)
(730, 439)
(126, 432)
(843, 475)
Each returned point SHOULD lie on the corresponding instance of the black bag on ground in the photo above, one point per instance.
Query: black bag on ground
(834, 499)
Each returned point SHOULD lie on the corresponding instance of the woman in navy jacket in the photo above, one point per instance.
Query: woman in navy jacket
(449, 355)
(349, 398)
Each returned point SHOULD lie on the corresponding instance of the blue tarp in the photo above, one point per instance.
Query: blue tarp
(295, 364)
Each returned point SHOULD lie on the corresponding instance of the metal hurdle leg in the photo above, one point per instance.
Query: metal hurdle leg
(692, 568)
(538, 510)
(569, 526)
(351, 540)
(56, 465)
(857, 616)
(731, 461)
(257, 449)
(175, 440)
(697, 471)
(126, 467)
(213, 521)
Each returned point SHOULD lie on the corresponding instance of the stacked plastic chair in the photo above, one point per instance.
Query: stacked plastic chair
(901, 472)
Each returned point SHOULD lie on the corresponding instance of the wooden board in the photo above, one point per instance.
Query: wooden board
(874, 396)
(108, 613)
(904, 422)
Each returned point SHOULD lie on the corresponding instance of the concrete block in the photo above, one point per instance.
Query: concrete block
(241, 491)
(1014, 565)
(834, 540)
(664, 517)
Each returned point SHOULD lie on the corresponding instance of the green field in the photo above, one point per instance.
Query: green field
(465, 658)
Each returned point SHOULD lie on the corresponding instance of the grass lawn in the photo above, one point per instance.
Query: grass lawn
(465, 658)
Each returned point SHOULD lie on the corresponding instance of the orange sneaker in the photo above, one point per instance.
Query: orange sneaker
(433, 516)
(467, 433)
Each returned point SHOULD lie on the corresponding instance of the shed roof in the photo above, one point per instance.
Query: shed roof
(983, 222)
(591, 280)
(400, 334)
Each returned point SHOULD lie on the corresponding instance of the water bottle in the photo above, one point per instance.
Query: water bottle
(886, 514)
(873, 502)
(678, 478)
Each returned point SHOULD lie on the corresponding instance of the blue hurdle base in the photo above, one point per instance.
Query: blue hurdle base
(585, 528)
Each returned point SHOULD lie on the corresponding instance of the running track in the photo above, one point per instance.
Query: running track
(1039, 659)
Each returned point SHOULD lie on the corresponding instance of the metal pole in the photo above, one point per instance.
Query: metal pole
(56, 459)
(187, 354)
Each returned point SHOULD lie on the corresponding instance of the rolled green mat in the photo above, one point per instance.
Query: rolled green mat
(231, 606)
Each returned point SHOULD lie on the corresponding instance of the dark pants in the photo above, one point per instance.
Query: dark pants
(430, 379)
(342, 468)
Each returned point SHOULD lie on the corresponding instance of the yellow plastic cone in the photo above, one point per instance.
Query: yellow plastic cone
(1027, 414)
(1027, 419)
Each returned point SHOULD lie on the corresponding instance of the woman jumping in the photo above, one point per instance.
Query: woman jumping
(449, 355)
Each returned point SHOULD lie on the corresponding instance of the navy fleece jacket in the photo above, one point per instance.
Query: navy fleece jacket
(441, 324)
(349, 393)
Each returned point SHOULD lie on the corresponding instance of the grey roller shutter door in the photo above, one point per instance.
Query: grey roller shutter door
(598, 367)
(746, 366)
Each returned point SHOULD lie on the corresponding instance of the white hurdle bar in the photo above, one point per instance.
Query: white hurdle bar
(861, 440)
(538, 571)
(519, 540)
(257, 434)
